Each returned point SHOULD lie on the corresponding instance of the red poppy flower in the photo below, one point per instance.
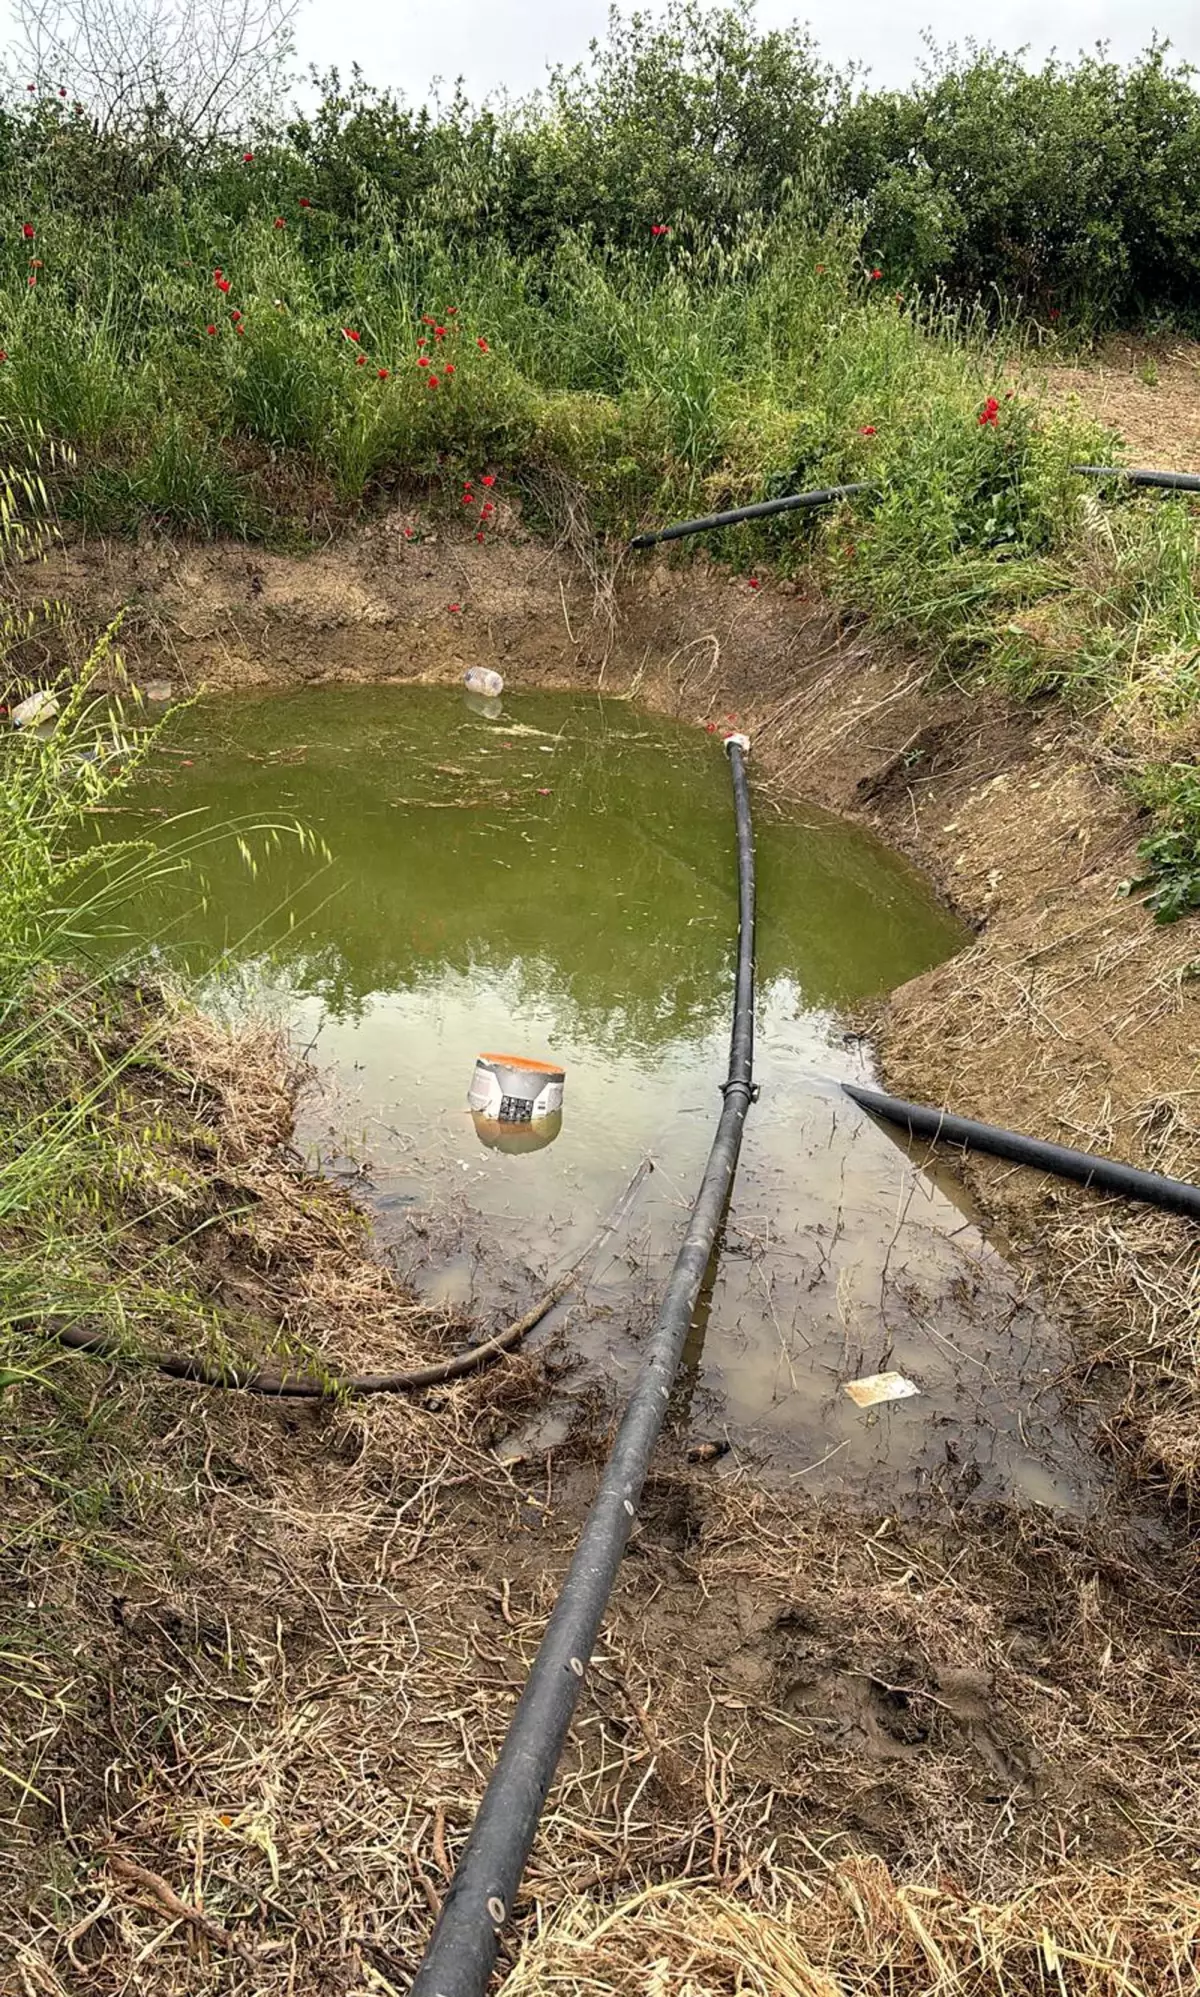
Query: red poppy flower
(454, 606)
(875, 276)
(360, 360)
(1054, 312)
(279, 222)
(449, 368)
(304, 202)
(489, 478)
(210, 330)
(479, 537)
(408, 533)
(422, 360)
(468, 499)
(62, 89)
(710, 727)
(452, 312)
(349, 335)
(432, 380)
(382, 373)
(247, 159)
(439, 332)
(660, 228)
(483, 346)
(32, 279)
(990, 413)
(222, 283)
(28, 231)
(867, 430)
(754, 584)
(486, 511)
(235, 315)
(3, 355)
(426, 320)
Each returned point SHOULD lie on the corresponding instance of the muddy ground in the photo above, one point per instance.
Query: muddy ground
(274, 1665)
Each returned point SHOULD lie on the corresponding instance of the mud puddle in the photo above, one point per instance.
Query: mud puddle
(553, 875)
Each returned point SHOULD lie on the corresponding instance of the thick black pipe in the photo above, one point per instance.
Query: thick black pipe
(761, 510)
(462, 1951)
(1103, 1175)
(1169, 481)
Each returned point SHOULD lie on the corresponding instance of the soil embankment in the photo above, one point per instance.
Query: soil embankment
(287, 1695)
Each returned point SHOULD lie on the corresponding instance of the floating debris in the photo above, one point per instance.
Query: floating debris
(873, 1388)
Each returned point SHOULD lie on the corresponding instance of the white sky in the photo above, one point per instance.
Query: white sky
(498, 45)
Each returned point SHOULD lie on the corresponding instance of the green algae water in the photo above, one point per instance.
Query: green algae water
(554, 875)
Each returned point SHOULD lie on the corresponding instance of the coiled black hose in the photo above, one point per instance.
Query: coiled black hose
(761, 510)
(462, 1950)
(1103, 1175)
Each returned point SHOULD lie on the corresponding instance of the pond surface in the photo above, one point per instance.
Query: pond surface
(554, 875)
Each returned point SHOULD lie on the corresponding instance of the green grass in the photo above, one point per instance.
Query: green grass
(655, 381)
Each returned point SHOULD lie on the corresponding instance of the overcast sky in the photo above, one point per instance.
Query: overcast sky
(506, 44)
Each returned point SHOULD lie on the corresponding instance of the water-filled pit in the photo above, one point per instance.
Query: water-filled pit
(553, 875)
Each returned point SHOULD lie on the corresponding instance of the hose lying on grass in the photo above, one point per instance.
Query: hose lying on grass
(1166, 481)
(296, 1387)
(1104, 1175)
(762, 509)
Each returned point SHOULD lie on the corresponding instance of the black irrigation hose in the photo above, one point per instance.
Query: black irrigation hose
(302, 1387)
(1104, 1175)
(1169, 481)
(761, 510)
(462, 1950)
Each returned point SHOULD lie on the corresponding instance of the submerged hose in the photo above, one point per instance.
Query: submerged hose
(1106, 1175)
(1169, 481)
(299, 1387)
(761, 510)
(460, 1955)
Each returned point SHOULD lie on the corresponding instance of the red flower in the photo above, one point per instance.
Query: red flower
(449, 368)
(304, 202)
(486, 510)
(247, 159)
(439, 332)
(426, 320)
(279, 222)
(821, 269)
(222, 283)
(990, 413)
(468, 499)
(875, 275)
(32, 279)
(452, 312)
(28, 231)
(349, 335)
(360, 360)
(235, 315)
(453, 607)
(62, 89)
(479, 537)
(868, 430)
(240, 331)
(710, 727)
(422, 342)
(210, 330)
(409, 533)
(489, 478)
(382, 373)
(754, 584)
(422, 360)
(660, 228)
(432, 380)
(1054, 312)
(483, 346)
(3, 355)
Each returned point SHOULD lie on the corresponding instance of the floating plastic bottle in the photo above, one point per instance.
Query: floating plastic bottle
(40, 707)
(481, 679)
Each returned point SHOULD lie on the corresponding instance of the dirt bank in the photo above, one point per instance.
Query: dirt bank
(267, 1655)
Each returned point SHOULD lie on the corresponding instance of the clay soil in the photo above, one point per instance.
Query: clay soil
(261, 1685)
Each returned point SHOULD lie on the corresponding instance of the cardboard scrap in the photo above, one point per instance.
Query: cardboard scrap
(876, 1387)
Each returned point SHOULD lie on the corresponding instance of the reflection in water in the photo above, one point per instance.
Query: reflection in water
(515, 1139)
(561, 878)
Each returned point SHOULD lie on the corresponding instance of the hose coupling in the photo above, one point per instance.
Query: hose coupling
(743, 743)
(750, 1090)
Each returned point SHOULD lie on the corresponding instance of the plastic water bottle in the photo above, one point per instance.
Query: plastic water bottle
(39, 708)
(481, 679)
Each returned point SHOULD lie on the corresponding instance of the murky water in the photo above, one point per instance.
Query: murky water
(558, 879)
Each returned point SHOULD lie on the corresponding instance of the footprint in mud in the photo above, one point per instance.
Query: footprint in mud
(891, 1705)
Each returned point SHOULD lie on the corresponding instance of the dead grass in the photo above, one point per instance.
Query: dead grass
(850, 1931)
